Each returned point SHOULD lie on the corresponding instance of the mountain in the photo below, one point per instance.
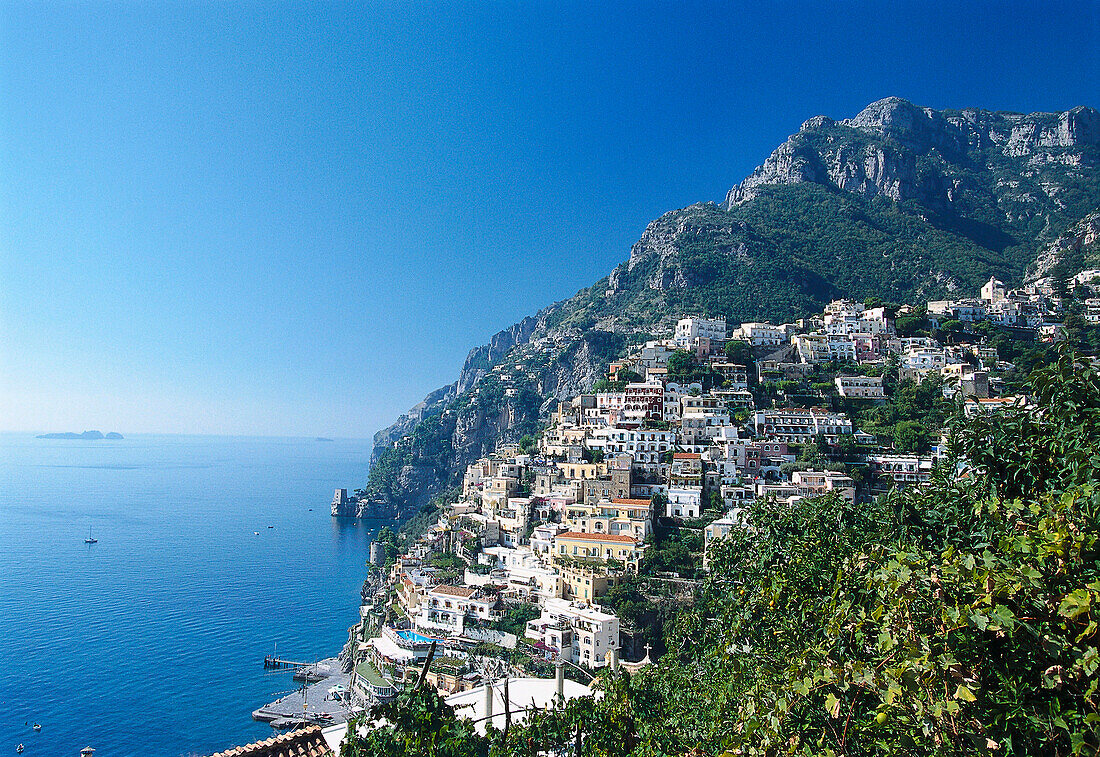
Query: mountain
(902, 203)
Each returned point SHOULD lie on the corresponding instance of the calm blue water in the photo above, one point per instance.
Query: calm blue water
(151, 642)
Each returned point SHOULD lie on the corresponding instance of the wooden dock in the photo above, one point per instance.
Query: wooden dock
(271, 661)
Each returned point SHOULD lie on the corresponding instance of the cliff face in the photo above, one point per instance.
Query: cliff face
(904, 152)
(1077, 250)
(900, 202)
(405, 423)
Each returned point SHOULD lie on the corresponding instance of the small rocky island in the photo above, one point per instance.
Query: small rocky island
(86, 435)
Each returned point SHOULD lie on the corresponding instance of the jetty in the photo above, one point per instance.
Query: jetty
(323, 701)
(271, 661)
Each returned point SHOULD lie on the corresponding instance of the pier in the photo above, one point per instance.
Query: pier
(323, 703)
(271, 661)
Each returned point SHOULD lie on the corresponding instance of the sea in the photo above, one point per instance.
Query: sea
(210, 552)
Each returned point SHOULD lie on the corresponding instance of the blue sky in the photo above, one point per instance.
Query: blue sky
(288, 218)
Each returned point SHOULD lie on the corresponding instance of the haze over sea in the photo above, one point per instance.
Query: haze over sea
(151, 641)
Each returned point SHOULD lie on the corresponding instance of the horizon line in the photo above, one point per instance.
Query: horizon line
(127, 435)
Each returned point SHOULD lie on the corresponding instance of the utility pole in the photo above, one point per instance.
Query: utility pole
(427, 664)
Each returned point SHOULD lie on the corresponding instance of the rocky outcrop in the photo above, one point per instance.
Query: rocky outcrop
(1074, 251)
(657, 261)
(482, 358)
(405, 423)
(898, 150)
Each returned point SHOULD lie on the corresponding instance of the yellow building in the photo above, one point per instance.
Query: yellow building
(576, 546)
(627, 517)
(585, 583)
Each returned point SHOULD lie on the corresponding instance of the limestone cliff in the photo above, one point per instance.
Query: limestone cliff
(904, 152)
(1076, 250)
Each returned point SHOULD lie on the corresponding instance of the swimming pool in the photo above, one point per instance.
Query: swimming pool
(416, 638)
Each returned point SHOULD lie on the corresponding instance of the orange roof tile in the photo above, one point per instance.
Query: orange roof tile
(455, 591)
(686, 456)
(626, 501)
(307, 742)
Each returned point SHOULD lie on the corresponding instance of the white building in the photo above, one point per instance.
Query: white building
(993, 291)
(542, 538)
(446, 608)
(922, 361)
(863, 387)
(690, 329)
(761, 334)
(800, 425)
(852, 318)
(811, 483)
(653, 354)
(581, 634)
(720, 529)
(647, 447)
(819, 347)
(674, 393)
(812, 348)
(684, 501)
(902, 469)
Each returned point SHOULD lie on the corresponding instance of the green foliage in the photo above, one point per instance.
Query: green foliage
(911, 417)
(529, 444)
(739, 352)
(673, 549)
(428, 514)
(681, 365)
(1022, 451)
(516, 617)
(418, 722)
(607, 385)
(637, 613)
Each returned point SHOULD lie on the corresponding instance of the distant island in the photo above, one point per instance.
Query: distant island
(321, 439)
(88, 435)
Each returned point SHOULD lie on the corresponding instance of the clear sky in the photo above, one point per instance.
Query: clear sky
(275, 218)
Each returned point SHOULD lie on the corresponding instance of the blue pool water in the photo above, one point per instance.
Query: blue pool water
(151, 641)
(414, 637)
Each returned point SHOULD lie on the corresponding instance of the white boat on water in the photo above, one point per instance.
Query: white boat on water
(90, 539)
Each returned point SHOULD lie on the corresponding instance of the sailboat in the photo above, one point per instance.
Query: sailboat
(90, 539)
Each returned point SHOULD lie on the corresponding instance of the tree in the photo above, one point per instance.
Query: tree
(738, 352)
(516, 618)
(605, 385)
(681, 366)
(417, 722)
(910, 436)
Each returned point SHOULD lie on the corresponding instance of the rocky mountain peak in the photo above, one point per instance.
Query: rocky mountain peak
(907, 152)
(916, 128)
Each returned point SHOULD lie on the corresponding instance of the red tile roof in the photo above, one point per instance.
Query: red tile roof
(621, 501)
(456, 591)
(597, 537)
(686, 456)
(307, 742)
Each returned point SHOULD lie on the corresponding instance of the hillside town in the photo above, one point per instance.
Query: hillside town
(530, 570)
